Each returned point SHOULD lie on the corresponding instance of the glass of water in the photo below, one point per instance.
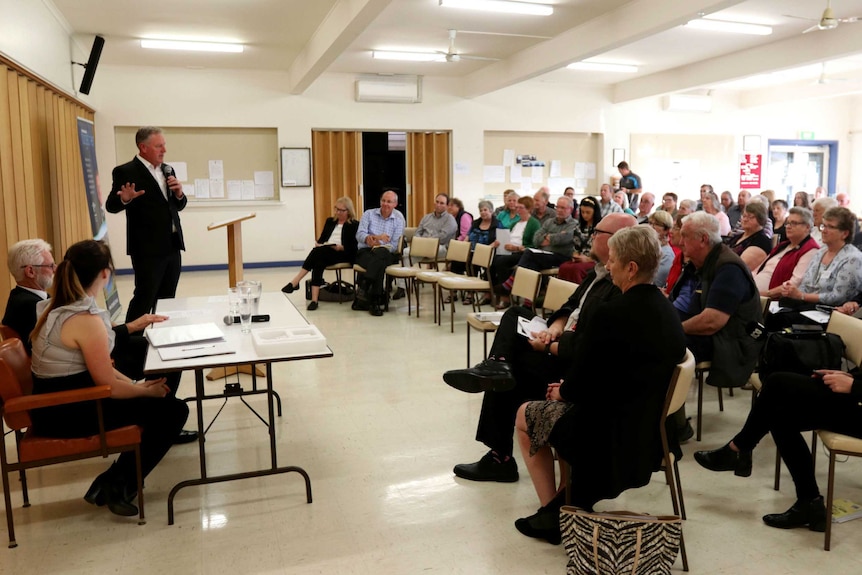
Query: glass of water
(232, 303)
(246, 305)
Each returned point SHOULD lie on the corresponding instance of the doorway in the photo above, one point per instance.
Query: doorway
(801, 165)
(384, 167)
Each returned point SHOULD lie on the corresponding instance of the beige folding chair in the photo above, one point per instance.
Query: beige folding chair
(457, 251)
(558, 293)
(423, 251)
(525, 286)
(481, 262)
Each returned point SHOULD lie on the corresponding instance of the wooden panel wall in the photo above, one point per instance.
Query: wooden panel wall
(42, 192)
(337, 160)
(428, 171)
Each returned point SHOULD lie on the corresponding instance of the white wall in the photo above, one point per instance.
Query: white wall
(198, 98)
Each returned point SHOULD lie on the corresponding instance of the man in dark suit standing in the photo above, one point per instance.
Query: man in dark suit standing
(152, 197)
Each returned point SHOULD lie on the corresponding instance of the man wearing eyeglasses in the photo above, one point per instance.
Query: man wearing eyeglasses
(32, 266)
(518, 368)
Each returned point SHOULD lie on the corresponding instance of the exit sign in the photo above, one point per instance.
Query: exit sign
(806, 135)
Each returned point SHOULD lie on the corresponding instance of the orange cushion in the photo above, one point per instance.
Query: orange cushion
(33, 447)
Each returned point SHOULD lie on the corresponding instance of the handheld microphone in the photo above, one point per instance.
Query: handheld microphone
(167, 170)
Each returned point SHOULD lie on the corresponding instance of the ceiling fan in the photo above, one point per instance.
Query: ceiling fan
(453, 55)
(827, 21)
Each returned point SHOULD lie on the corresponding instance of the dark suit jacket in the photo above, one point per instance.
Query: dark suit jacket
(148, 217)
(617, 383)
(21, 313)
(348, 236)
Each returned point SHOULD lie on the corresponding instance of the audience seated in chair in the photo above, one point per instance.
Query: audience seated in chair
(518, 369)
(752, 245)
(589, 216)
(787, 405)
(522, 234)
(379, 234)
(716, 299)
(71, 344)
(789, 259)
(438, 224)
(336, 244)
(554, 238)
(601, 418)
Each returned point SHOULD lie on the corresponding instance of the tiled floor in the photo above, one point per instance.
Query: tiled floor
(379, 432)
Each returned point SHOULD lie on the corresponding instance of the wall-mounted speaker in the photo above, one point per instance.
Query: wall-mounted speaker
(92, 63)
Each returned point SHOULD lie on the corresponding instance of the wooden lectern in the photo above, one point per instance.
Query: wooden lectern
(234, 270)
(234, 246)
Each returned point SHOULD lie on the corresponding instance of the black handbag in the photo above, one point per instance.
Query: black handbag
(800, 352)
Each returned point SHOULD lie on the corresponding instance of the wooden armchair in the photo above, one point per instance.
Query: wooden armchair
(35, 451)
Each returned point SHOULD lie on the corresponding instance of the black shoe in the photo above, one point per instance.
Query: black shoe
(811, 513)
(312, 305)
(685, 433)
(115, 498)
(186, 436)
(490, 375)
(95, 495)
(489, 468)
(399, 293)
(288, 288)
(725, 459)
(545, 524)
(375, 310)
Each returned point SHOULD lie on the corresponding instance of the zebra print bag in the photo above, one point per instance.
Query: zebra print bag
(619, 542)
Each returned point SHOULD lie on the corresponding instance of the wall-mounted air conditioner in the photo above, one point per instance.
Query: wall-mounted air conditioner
(686, 103)
(397, 89)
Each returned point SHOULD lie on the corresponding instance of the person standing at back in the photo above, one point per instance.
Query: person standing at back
(632, 184)
(148, 191)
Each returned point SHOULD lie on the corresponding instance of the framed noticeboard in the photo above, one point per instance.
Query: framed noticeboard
(295, 167)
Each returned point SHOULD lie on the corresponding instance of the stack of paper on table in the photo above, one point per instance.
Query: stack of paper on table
(183, 334)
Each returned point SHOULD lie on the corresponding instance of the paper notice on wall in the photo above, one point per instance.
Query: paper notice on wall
(580, 170)
(181, 171)
(202, 188)
(557, 185)
(264, 179)
(556, 169)
(508, 157)
(516, 174)
(234, 189)
(538, 175)
(494, 174)
(591, 171)
(580, 184)
(263, 191)
(217, 189)
(216, 168)
(462, 168)
(248, 189)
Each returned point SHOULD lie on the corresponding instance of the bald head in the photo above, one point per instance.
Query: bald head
(843, 199)
(609, 225)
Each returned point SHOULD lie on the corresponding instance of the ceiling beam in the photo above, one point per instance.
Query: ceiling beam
(344, 23)
(627, 24)
(799, 91)
(793, 52)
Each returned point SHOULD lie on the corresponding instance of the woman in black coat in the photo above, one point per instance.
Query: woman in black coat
(603, 418)
(336, 244)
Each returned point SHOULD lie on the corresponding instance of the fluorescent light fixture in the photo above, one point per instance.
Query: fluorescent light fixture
(191, 46)
(501, 6)
(730, 27)
(603, 67)
(408, 56)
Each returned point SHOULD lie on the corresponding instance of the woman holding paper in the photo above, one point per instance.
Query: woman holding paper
(72, 342)
(336, 244)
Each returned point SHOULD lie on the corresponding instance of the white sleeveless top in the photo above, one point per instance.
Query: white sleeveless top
(50, 357)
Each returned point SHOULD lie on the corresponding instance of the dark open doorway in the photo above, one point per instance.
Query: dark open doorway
(384, 167)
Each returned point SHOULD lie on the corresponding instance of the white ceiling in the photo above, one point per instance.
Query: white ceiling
(306, 38)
